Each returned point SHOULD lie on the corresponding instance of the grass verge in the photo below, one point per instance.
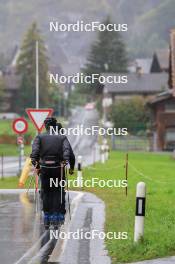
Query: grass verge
(157, 171)
(9, 183)
(13, 150)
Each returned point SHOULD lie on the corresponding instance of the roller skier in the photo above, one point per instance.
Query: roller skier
(50, 153)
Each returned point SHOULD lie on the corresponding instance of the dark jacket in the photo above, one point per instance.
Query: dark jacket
(45, 145)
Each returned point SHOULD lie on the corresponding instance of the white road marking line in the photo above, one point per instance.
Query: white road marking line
(37, 244)
(31, 250)
(55, 256)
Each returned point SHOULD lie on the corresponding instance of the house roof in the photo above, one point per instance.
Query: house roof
(161, 97)
(11, 79)
(144, 64)
(163, 58)
(70, 68)
(169, 93)
(139, 84)
(56, 69)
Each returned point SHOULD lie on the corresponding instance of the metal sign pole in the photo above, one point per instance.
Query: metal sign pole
(2, 166)
(37, 75)
(20, 159)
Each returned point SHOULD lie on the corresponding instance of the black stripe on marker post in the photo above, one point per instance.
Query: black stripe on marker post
(140, 206)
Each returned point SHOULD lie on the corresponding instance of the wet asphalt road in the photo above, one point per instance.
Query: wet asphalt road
(23, 239)
(16, 227)
(85, 145)
(22, 234)
(10, 166)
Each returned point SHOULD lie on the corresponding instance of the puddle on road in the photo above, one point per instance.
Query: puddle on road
(21, 229)
(18, 226)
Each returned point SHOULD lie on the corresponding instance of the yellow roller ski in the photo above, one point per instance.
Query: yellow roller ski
(25, 172)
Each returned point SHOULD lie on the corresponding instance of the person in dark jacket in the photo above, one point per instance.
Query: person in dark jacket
(49, 154)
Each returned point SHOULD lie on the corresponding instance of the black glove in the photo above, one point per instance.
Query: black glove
(65, 162)
(35, 163)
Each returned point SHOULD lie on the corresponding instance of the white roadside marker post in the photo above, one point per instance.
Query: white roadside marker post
(140, 211)
(105, 143)
(94, 155)
(102, 153)
(107, 152)
(79, 172)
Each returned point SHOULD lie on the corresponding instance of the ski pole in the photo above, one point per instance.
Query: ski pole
(36, 182)
(30, 183)
(36, 188)
(68, 197)
(62, 167)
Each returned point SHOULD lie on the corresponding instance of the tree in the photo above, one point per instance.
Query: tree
(26, 67)
(107, 54)
(77, 97)
(131, 114)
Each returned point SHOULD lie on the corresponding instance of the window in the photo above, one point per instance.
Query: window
(170, 134)
(170, 107)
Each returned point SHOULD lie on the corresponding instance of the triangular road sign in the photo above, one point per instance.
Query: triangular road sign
(37, 116)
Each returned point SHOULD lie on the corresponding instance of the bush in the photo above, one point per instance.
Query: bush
(131, 114)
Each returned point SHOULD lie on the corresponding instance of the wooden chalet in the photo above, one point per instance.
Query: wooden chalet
(163, 109)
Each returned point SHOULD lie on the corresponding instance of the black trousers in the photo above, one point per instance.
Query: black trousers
(53, 197)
